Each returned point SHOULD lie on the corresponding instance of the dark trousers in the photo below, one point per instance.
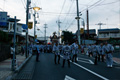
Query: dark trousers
(102, 57)
(55, 58)
(74, 58)
(95, 62)
(64, 63)
(37, 56)
(90, 53)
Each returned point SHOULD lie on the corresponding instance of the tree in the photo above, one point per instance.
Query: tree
(67, 37)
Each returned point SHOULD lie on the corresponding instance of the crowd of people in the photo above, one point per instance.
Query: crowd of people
(100, 52)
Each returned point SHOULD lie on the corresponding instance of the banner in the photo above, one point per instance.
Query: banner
(3, 18)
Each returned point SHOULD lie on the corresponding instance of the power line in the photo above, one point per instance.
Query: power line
(57, 13)
(23, 4)
(68, 12)
(91, 5)
(102, 4)
(71, 24)
(82, 11)
(62, 8)
(73, 21)
(1, 9)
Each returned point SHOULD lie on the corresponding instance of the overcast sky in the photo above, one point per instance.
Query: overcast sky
(104, 11)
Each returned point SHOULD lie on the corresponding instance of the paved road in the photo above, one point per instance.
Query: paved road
(83, 70)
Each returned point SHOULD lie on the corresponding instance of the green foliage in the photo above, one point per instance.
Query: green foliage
(67, 37)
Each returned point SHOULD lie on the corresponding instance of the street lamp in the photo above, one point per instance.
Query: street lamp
(35, 10)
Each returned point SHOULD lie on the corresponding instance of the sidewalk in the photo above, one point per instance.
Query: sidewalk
(5, 66)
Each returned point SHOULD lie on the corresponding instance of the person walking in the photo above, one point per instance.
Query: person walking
(101, 52)
(66, 54)
(74, 51)
(95, 52)
(56, 52)
(108, 49)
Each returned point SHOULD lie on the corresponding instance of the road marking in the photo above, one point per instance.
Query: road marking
(84, 61)
(90, 71)
(116, 62)
(91, 62)
(96, 74)
(83, 58)
(69, 78)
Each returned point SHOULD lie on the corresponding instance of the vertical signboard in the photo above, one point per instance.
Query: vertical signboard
(3, 18)
(30, 25)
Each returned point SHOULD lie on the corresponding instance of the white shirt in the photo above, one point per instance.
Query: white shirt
(12, 50)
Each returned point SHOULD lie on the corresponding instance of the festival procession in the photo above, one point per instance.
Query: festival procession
(60, 40)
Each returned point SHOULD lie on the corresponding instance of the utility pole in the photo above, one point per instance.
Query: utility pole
(59, 29)
(13, 60)
(45, 32)
(87, 23)
(78, 24)
(34, 26)
(27, 12)
(100, 24)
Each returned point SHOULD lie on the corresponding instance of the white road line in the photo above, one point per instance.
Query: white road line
(91, 71)
(69, 78)
(83, 58)
(96, 74)
(115, 62)
(61, 56)
(84, 61)
(91, 62)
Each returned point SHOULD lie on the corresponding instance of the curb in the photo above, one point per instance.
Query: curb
(21, 66)
(10, 77)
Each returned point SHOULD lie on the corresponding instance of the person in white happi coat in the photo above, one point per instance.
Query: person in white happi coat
(56, 52)
(108, 49)
(66, 54)
(74, 48)
(89, 50)
(101, 52)
(94, 48)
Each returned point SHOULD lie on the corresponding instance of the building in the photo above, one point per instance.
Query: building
(42, 39)
(106, 34)
(110, 35)
(9, 28)
(88, 38)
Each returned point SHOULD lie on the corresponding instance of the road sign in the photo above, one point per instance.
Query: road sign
(81, 30)
(30, 25)
(24, 26)
(3, 18)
